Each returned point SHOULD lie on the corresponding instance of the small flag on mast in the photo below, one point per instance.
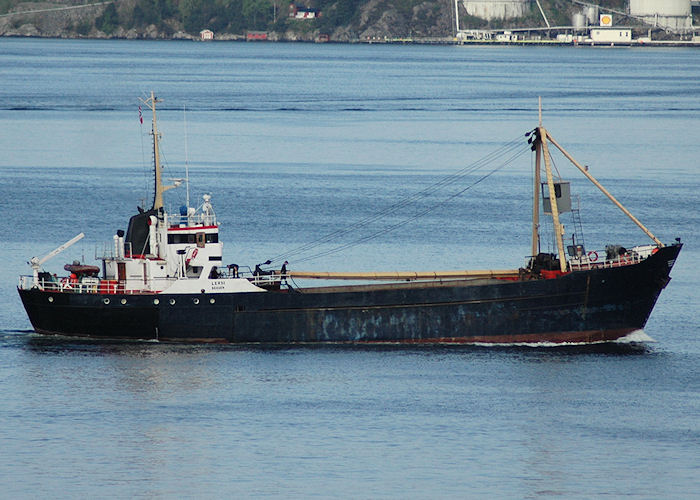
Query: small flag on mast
(140, 115)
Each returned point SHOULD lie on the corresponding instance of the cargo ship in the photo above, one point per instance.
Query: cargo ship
(164, 279)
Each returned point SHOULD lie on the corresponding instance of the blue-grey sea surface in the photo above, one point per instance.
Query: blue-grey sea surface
(295, 141)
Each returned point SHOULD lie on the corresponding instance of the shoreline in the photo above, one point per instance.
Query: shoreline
(392, 41)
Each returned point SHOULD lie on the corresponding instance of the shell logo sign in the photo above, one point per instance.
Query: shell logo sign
(605, 20)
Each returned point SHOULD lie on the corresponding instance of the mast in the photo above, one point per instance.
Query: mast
(187, 161)
(542, 149)
(536, 191)
(158, 188)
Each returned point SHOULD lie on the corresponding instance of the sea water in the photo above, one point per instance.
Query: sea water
(297, 141)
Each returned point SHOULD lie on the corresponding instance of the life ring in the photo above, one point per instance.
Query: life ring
(593, 256)
(194, 254)
(65, 283)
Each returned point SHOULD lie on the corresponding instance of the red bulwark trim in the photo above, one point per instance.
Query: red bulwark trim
(550, 275)
(138, 256)
(192, 228)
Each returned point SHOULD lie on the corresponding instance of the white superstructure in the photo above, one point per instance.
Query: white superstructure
(166, 252)
(179, 254)
(160, 253)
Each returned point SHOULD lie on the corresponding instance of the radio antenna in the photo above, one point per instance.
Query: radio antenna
(187, 160)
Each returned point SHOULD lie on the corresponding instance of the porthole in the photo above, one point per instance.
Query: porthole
(50, 299)
(211, 301)
(156, 301)
(123, 301)
(172, 302)
(106, 301)
(196, 301)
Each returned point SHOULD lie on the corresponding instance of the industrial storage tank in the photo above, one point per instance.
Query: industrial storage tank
(496, 9)
(578, 20)
(591, 12)
(671, 14)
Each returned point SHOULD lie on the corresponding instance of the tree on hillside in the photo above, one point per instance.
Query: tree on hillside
(109, 20)
(335, 13)
(148, 12)
(257, 13)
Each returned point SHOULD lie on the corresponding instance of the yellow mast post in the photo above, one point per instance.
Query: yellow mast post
(558, 230)
(606, 193)
(159, 189)
(158, 198)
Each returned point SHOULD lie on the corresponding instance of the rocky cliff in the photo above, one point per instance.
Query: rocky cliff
(337, 20)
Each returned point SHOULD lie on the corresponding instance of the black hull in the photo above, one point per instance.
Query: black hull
(584, 306)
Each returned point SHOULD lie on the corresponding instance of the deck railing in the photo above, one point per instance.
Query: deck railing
(590, 260)
(95, 285)
(153, 285)
(598, 259)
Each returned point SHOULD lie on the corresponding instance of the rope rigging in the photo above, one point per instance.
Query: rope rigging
(513, 148)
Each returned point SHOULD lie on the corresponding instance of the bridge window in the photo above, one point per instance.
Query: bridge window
(180, 238)
(199, 238)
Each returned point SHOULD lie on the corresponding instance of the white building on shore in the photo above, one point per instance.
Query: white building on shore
(611, 35)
